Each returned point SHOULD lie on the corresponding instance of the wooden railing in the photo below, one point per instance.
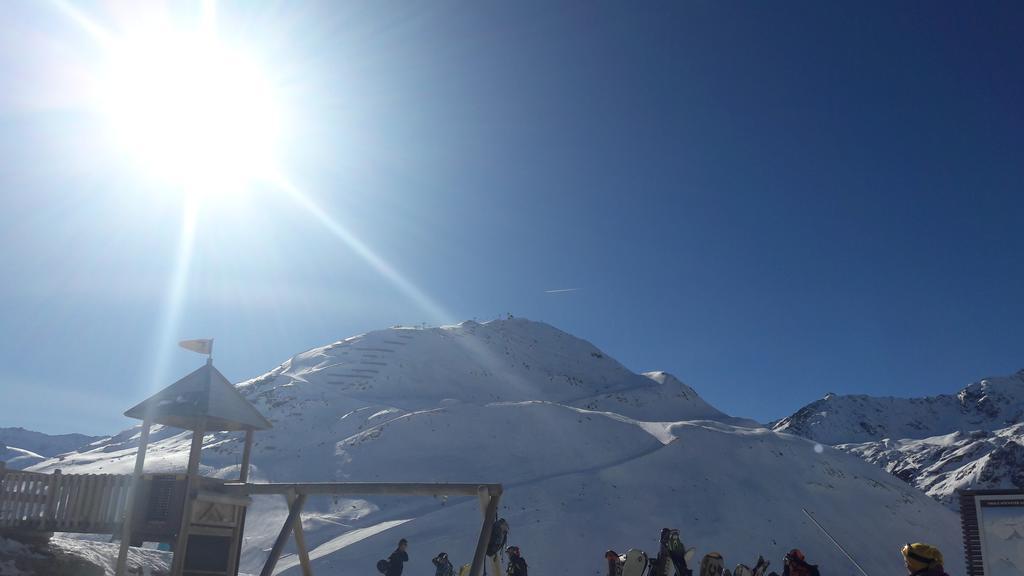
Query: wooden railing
(92, 503)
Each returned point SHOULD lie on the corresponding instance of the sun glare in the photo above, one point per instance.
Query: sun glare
(193, 112)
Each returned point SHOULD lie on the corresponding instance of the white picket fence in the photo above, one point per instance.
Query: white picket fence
(91, 503)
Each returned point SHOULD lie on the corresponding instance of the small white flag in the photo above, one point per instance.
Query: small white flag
(201, 345)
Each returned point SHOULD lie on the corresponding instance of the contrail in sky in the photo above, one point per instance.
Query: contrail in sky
(560, 290)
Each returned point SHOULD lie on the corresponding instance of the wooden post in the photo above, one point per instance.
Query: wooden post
(126, 524)
(243, 474)
(191, 485)
(282, 537)
(243, 477)
(490, 512)
(300, 541)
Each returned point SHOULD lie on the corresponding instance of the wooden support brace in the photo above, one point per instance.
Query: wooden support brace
(490, 512)
(300, 542)
(275, 552)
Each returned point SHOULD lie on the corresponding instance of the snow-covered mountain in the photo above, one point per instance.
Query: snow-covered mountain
(20, 448)
(941, 465)
(974, 439)
(990, 405)
(592, 455)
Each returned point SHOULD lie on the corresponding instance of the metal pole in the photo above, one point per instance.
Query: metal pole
(282, 537)
(129, 506)
(841, 549)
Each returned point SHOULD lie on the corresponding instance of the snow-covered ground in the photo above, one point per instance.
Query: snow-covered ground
(66, 556)
(592, 455)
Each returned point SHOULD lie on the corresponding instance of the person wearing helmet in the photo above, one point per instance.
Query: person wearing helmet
(923, 560)
(516, 563)
(443, 566)
(614, 564)
(795, 564)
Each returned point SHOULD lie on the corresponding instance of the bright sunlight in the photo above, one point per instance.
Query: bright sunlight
(192, 111)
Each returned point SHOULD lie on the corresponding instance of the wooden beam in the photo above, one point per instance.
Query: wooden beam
(275, 552)
(300, 543)
(362, 488)
(126, 524)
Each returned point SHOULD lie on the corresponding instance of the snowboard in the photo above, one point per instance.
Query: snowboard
(634, 562)
(742, 570)
(690, 552)
(761, 568)
(464, 569)
(712, 564)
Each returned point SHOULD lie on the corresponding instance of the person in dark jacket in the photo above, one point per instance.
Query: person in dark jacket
(614, 564)
(659, 567)
(677, 552)
(516, 563)
(398, 558)
(796, 565)
(443, 565)
(923, 560)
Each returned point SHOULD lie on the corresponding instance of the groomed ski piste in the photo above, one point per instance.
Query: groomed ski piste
(592, 456)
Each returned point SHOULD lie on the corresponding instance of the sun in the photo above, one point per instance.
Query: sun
(192, 111)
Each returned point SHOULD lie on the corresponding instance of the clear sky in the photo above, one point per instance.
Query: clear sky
(771, 200)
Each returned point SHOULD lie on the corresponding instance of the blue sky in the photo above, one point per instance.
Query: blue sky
(770, 200)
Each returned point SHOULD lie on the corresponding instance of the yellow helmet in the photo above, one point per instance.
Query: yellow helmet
(920, 556)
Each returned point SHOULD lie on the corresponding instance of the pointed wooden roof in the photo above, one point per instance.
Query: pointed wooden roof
(202, 400)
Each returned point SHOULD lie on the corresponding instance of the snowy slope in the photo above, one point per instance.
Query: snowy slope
(991, 404)
(941, 465)
(16, 458)
(591, 454)
(20, 448)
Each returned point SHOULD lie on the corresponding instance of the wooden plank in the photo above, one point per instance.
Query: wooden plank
(101, 507)
(362, 488)
(104, 501)
(21, 484)
(97, 499)
(51, 499)
(63, 502)
(38, 499)
(88, 495)
(71, 509)
(122, 492)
